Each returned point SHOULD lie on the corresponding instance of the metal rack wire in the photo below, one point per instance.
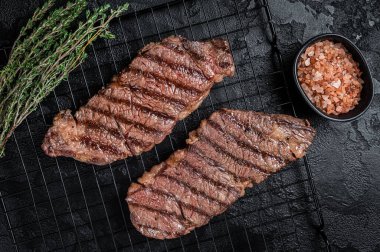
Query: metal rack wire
(55, 204)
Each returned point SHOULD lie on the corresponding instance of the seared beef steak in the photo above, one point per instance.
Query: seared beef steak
(163, 84)
(230, 151)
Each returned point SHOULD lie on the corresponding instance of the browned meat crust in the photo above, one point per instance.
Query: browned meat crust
(139, 108)
(230, 151)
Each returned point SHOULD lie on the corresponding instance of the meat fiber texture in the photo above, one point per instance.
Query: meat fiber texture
(230, 151)
(139, 108)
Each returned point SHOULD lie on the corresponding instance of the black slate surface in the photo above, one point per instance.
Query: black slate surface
(345, 157)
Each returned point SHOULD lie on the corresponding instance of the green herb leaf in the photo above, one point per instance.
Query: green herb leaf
(47, 49)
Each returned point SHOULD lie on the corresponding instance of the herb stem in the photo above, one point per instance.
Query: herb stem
(47, 49)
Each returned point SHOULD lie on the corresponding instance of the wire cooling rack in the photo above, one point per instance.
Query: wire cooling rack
(61, 204)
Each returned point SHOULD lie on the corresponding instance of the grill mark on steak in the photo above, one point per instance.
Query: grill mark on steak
(181, 203)
(207, 140)
(241, 169)
(190, 167)
(116, 133)
(217, 174)
(197, 151)
(241, 125)
(164, 81)
(163, 212)
(182, 184)
(144, 128)
(94, 125)
(195, 57)
(285, 130)
(183, 49)
(142, 108)
(293, 126)
(170, 75)
(193, 189)
(176, 67)
(245, 126)
(145, 91)
(296, 126)
(242, 144)
(280, 145)
(173, 47)
(151, 100)
(183, 206)
(191, 177)
(167, 90)
(138, 142)
(172, 196)
(150, 218)
(90, 143)
(168, 106)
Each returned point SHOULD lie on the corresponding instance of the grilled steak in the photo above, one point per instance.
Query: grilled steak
(163, 84)
(230, 151)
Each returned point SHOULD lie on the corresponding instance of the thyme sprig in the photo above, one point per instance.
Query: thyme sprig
(47, 49)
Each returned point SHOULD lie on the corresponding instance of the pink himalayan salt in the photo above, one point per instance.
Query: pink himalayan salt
(330, 77)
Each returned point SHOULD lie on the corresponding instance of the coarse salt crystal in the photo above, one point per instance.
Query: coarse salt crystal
(317, 76)
(324, 104)
(320, 90)
(307, 62)
(310, 54)
(336, 84)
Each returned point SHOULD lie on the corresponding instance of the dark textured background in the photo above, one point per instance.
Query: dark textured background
(345, 158)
